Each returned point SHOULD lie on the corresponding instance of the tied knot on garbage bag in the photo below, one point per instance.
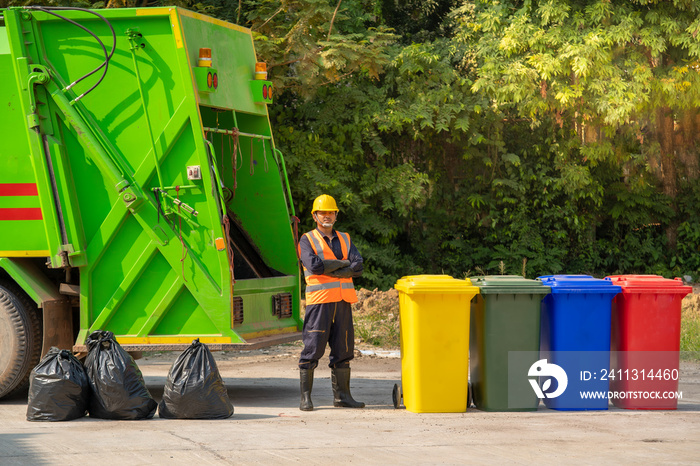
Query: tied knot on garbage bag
(117, 385)
(194, 388)
(59, 389)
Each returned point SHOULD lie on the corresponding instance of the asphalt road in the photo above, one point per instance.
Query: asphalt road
(268, 428)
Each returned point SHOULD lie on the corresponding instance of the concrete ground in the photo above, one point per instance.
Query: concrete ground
(268, 428)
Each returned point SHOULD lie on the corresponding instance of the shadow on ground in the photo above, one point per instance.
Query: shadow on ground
(20, 448)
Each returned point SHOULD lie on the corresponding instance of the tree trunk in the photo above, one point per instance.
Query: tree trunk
(687, 150)
(665, 135)
(592, 133)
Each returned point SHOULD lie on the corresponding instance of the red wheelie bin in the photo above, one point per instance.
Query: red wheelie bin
(645, 341)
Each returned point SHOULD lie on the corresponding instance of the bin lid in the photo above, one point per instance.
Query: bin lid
(435, 284)
(649, 284)
(509, 284)
(579, 284)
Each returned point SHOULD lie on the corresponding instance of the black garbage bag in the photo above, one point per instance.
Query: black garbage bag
(58, 388)
(194, 389)
(117, 387)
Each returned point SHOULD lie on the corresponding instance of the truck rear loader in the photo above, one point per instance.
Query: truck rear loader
(141, 191)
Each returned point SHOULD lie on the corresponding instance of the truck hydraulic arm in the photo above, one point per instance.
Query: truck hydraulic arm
(130, 194)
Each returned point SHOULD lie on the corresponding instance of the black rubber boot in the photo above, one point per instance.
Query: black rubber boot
(306, 380)
(340, 378)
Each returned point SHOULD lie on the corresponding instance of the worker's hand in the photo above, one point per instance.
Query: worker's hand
(332, 264)
(345, 272)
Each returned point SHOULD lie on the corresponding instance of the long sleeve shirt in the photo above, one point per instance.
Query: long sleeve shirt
(314, 263)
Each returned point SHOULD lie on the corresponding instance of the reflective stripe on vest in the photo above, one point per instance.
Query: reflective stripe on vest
(323, 288)
(329, 286)
(320, 250)
(316, 244)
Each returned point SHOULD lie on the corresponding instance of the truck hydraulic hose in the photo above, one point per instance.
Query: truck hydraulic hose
(108, 57)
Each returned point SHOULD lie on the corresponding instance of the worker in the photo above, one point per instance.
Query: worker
(330, 262)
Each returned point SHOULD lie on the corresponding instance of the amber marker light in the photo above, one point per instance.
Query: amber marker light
(204, 57)
(261, 71)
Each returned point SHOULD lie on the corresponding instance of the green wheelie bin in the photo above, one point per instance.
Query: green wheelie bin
(504, 341)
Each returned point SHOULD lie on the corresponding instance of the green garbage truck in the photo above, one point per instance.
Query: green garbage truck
(141, 191)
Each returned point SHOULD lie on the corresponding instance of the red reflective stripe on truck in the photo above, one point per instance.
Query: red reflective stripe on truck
(18, 189)
(24, 213)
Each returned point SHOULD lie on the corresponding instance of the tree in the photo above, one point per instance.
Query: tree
(610, 69)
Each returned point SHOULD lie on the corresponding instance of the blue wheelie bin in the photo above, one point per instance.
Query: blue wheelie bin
(575, 335)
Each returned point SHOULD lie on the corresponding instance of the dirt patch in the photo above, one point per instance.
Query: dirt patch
(376, 302)
(691, 305)
(376, 316)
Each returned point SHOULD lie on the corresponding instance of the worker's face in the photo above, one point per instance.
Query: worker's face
(325, 218)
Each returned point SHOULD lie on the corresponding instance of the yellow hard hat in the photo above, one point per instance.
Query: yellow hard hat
(324, 202)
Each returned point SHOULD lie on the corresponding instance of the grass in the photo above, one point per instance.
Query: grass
(690, 339)
(690, 327)
(377, 330)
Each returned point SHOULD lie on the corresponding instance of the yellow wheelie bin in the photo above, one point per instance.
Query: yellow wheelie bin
(434, 312)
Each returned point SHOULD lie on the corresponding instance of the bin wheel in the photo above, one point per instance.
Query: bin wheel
(396, 396)
(470, 395)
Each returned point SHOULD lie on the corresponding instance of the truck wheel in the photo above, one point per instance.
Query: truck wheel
(20, 340)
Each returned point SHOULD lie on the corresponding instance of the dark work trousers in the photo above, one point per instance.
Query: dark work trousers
(328, 323)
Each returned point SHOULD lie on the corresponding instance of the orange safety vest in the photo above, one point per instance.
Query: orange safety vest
(322, 288)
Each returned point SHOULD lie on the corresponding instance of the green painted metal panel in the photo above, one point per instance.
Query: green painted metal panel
(4, 42)
(145, 292)
(257, 297)
(235, 70)
(254, 184)
(111, 171)
(31, 279)
(263, 181)
(17, 237)
(23, 155)
(186, 318)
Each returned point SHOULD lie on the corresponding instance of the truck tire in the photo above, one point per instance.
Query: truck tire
(20, 339)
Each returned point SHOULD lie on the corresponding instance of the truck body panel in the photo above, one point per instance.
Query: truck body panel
(105, 186)
(20, 209)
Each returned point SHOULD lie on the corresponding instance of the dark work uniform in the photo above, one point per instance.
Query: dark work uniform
(328, 323)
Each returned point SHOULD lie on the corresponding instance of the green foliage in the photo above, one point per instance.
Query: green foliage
(599, 60)
(331, 150)
(415, 21)
(685, 259)
(313, 43)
